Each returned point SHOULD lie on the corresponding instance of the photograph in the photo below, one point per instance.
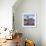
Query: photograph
(29, 20)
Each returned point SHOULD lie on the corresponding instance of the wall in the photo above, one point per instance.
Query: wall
(35, 34)
(6, 13)
(43, 22)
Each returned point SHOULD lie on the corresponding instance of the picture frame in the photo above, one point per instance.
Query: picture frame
(29, 19)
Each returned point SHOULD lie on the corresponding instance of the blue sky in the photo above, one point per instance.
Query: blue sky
(29, 15)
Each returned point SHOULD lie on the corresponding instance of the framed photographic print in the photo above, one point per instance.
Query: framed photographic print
(29, 19)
